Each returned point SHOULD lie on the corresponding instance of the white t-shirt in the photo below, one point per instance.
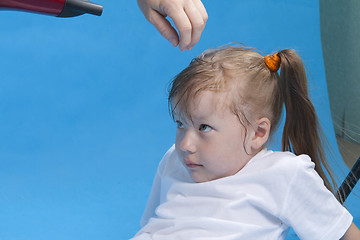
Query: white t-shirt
(274, 191)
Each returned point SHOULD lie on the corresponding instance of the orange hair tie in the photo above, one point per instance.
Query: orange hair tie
(273, 62)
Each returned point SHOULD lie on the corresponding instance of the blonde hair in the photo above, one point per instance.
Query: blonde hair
(256, 91)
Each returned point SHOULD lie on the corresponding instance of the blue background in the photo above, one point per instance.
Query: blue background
(83, 109)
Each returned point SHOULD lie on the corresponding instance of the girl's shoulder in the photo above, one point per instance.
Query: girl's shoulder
(286, 163)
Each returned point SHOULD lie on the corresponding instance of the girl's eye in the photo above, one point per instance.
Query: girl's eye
(205, 128)
(179, 124)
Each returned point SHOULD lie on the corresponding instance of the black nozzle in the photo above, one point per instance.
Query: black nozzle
(77, 7)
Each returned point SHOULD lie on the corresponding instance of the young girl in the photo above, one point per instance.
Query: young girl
(219, 181)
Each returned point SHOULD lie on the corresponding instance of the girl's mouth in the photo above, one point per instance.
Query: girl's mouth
(190, 164)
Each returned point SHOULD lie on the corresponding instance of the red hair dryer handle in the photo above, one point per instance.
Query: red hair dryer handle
(51, 7)
(59, 8)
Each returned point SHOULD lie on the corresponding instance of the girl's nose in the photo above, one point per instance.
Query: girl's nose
(187, 142)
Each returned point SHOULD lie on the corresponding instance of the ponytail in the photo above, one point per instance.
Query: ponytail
(302, 133)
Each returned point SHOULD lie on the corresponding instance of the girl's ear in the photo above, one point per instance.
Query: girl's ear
(259, 135)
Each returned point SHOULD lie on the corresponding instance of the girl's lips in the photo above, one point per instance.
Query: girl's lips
(190, 164)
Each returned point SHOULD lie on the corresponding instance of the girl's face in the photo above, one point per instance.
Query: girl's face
(212, 143)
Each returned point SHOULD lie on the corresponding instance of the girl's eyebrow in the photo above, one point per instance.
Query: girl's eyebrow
(179, 117)
(202, 117)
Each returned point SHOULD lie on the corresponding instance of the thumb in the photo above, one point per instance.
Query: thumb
(164, 27)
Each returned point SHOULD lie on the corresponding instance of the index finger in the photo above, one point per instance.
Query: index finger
(183, 25)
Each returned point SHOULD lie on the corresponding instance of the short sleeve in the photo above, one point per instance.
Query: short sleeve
(310, 209)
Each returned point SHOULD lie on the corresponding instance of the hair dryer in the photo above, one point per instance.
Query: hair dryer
(58, 8)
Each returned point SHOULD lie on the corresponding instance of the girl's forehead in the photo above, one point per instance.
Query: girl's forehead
(203, 105)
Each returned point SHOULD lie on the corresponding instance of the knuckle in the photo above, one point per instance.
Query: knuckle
(198, 25)
(170, 6)
(151, 17)
(205, 17)
(186, 28)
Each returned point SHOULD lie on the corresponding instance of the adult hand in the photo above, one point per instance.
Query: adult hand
(189, 17)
